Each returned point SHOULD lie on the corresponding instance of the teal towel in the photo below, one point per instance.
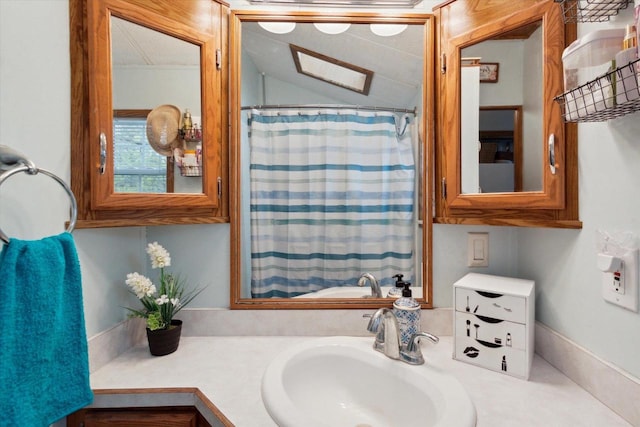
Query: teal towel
(44, 366)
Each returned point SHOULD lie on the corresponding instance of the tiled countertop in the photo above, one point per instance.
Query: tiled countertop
(228, 370)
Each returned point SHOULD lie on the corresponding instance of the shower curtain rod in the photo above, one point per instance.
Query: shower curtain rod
(312, 106)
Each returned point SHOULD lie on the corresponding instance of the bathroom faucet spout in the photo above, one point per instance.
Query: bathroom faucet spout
(385, 325)
(375, 286)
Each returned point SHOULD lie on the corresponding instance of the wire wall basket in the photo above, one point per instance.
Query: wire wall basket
(190, 170)
(590, 10)
(611, 95)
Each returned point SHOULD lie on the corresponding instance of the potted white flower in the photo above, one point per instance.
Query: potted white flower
(160, 304)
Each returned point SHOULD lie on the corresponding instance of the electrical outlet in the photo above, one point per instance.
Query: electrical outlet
(478, 250)
(620, 279)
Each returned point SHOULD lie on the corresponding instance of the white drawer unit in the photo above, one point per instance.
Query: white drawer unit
(493, 323)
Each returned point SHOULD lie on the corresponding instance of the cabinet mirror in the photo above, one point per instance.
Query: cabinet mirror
(151, 69)
(329, 160)
(503, 60)
(141, 71)
(492, 160)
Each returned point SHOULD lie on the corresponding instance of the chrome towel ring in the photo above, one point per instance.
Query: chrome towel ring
(33, 170)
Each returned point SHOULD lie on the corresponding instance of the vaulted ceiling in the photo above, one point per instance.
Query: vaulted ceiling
(397, 61)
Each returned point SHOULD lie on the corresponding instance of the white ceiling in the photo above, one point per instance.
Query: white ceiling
(135, 46)
(396, 61)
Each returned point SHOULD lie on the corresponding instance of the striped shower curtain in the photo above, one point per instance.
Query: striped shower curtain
(332, 194)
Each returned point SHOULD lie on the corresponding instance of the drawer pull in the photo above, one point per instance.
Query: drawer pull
(489, 294)
(489, 319)
(497, 305)
(508, 309)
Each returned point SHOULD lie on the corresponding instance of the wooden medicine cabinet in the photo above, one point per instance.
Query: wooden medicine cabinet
(130, 57)
(503, 56)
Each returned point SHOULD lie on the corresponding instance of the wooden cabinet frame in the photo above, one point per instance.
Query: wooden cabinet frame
(557, 204)
(91, 112)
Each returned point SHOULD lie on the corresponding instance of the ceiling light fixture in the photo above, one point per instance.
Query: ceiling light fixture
(332, 27)
(278, 27)
(387, 30)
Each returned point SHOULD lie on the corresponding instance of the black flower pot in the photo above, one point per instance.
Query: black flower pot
(165, 341)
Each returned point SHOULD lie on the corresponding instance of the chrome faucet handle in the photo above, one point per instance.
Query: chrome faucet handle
(412, 354)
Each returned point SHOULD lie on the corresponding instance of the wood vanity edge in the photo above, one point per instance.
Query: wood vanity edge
(201, 402)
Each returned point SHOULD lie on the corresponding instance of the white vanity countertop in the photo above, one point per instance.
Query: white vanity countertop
(228, 370)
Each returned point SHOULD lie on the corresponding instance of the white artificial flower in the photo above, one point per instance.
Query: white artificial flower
(140, 285)
(163, 299)
(159, 256)
(175, 301)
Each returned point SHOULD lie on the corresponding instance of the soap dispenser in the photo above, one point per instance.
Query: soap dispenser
(396, 291)
(407, 311)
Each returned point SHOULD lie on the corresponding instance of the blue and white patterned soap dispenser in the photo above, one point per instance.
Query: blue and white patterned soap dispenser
(407, 311)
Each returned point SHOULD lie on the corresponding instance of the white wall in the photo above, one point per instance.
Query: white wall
(563, 262)
(34, 118)
(146, 87)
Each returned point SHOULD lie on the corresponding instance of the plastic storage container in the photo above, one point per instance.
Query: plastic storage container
(583, 61)
(626, 78)
(590, 56)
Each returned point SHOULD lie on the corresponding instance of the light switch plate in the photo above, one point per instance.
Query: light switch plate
(478, 250)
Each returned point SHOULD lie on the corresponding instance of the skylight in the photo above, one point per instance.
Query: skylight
(331, 70)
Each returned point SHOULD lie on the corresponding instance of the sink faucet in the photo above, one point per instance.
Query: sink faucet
(412, 353)
(385, 325)
(375, 286)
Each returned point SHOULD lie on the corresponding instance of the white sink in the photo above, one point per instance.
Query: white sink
(342, 381)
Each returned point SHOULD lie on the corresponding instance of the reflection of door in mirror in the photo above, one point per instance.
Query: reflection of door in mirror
(500, 136)
(150, 68)
(494, 170)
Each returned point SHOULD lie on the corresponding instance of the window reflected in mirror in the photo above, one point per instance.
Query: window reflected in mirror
(138, 168)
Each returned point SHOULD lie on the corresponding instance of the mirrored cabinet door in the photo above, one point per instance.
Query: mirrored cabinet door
(503, 154)
(149, 111)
